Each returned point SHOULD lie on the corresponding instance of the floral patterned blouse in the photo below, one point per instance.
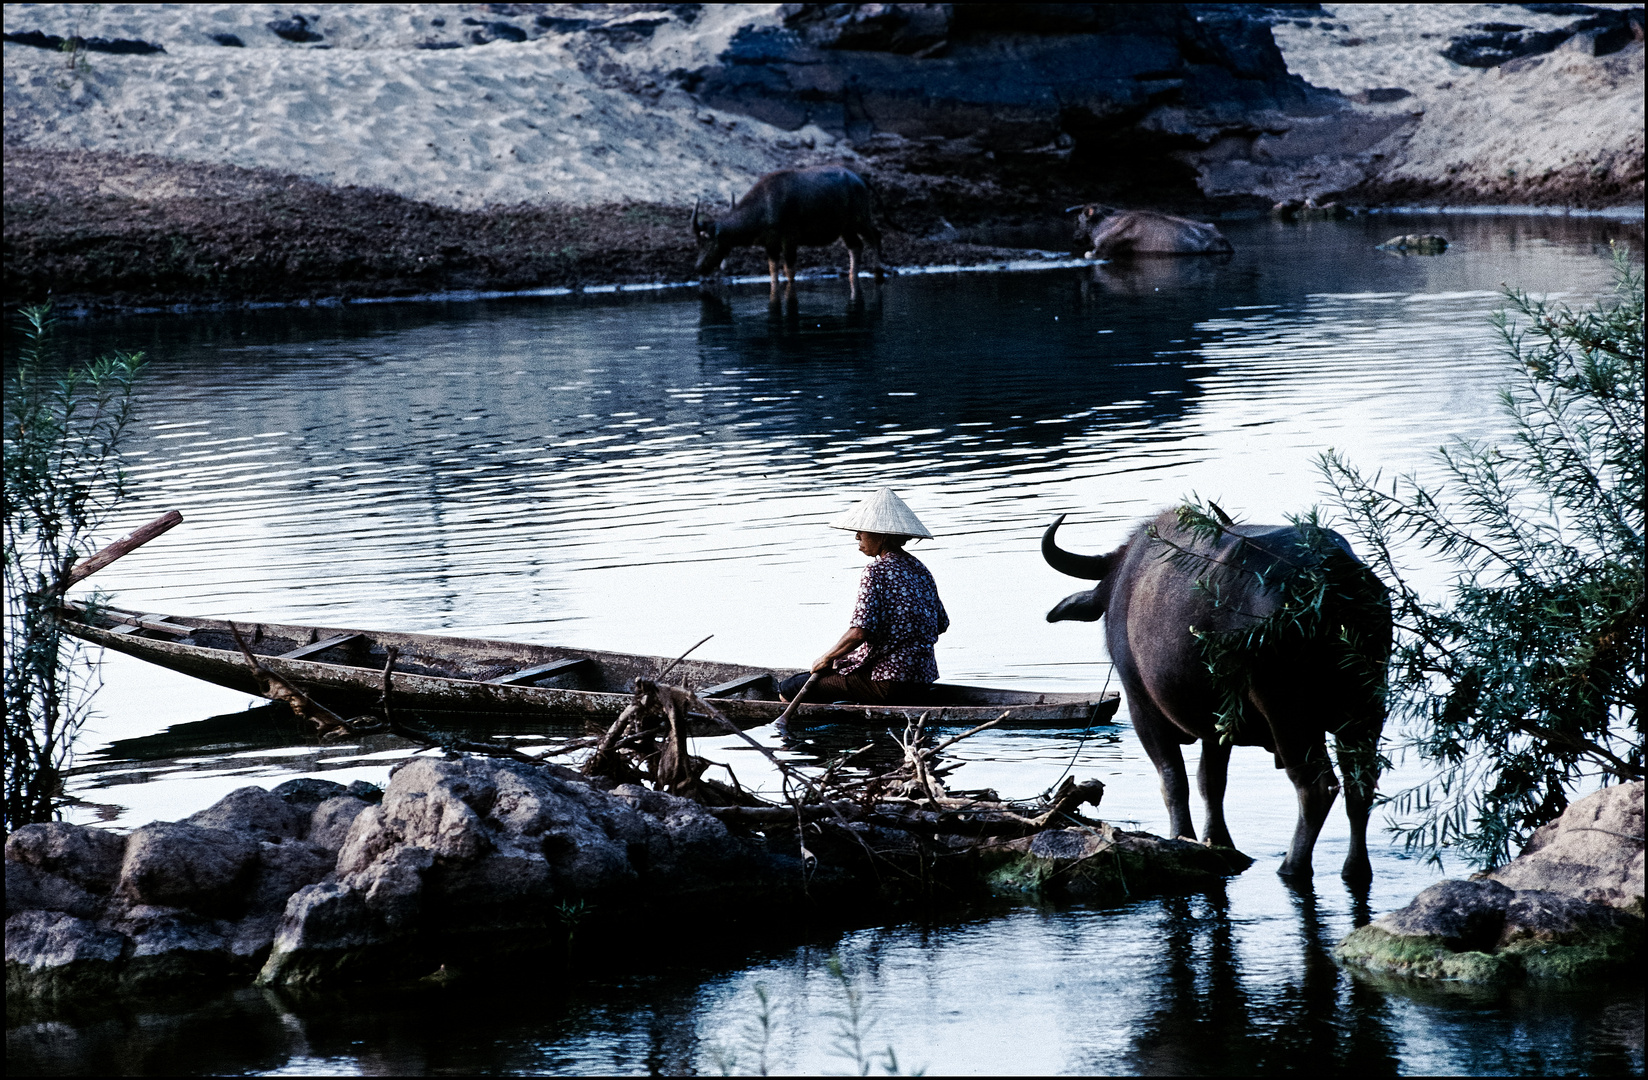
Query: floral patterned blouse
(899, 611)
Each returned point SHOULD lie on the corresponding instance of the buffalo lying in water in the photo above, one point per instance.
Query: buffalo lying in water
(789, 208)
(1111, 234)
(1170, 586)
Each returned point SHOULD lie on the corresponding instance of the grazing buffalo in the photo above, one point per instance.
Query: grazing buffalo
(1111, 234)
(786, 209)
(1166, 586)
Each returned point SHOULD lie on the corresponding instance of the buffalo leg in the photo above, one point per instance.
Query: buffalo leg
(873, 235)
(1158, 737)
(772, 272)
(1359, 766)
(789, 262)
(1211, 774)
(1317, 787)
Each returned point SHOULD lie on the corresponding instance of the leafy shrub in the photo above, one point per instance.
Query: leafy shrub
(1526, 680)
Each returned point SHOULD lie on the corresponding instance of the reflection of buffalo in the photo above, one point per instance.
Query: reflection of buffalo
(1110, 234)
(786, 209)
(1154, 607)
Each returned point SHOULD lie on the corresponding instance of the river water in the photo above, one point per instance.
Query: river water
(634, 471)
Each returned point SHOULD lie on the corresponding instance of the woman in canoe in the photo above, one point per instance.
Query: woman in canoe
(886, 655)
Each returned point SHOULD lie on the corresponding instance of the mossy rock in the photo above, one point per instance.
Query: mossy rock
(1606, 952)
(1421, 957)
(1105, 865)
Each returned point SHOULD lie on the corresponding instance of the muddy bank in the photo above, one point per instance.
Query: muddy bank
(99, 231)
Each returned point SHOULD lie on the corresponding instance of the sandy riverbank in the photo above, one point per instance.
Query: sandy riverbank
(385, 150)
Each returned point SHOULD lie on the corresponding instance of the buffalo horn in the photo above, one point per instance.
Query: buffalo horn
(1078, 206)
(1087, 567)
(694, 225)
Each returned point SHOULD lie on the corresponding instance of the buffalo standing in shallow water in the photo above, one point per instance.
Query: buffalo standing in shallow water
(1153, 608)
(786, 209)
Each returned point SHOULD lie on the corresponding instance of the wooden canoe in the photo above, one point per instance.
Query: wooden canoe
(477, 677)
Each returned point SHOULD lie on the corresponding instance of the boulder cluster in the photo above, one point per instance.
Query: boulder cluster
(1569, 907)
(313, 881)
(471, 860)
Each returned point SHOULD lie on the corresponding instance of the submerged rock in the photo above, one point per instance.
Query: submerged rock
(1416, 244)
(1569, 907)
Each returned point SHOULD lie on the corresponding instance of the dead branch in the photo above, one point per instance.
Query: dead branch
(275, 688)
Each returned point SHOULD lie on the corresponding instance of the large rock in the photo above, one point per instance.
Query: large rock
(29, 888)
(1569, 907)
(330, 821)
(170, 863)
(1594, 851)
(88, 857)
(481, 846)
(52, 956)
(1010, 76)
(256, 813)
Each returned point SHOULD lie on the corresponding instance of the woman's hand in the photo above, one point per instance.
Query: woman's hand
(852, 639)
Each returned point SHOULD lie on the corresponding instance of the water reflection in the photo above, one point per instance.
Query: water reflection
(1180, 994)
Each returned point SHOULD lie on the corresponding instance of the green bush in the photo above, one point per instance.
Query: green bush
(1526, 680)
(62, 480)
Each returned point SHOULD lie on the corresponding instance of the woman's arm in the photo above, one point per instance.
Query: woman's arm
(852, 639)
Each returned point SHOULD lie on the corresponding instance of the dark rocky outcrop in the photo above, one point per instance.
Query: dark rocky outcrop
(1117, 86)
(118, 46)
(1486, 45)
(297, 29)
(483, 859)
(1569, 907)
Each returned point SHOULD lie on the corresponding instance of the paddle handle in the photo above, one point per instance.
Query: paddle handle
(790, 708)
(123, 546)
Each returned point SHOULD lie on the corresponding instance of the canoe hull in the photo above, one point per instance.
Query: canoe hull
(350, 682)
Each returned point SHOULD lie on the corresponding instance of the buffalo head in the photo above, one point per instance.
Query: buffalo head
(1083, 606)
(1087, 216)
(711, 248)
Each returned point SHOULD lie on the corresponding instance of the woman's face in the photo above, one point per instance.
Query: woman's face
(873, 544)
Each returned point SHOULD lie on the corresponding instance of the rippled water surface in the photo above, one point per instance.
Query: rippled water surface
(633, 472)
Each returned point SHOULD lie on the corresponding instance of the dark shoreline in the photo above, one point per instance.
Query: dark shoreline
(219, 237)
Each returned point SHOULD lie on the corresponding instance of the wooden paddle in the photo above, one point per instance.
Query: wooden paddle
(124, 546)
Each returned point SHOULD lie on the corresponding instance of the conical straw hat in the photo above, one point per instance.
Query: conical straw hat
(885, 513)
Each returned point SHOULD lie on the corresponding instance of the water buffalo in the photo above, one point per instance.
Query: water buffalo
(1111, 234)
(1166, 585)
(786, 209)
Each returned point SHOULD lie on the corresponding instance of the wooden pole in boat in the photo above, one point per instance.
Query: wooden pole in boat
(123, 546)
(790, 708)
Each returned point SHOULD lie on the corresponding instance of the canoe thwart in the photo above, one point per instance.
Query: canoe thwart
(544, 671)
(158, 624)
(319, 646)
(763, 680)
